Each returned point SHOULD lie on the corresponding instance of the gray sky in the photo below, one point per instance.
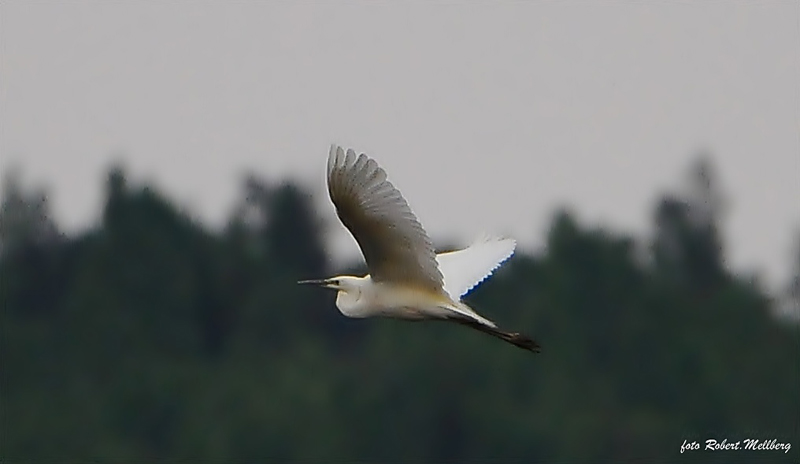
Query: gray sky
(486, 115)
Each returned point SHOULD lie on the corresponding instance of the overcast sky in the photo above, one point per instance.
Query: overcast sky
(487, 115)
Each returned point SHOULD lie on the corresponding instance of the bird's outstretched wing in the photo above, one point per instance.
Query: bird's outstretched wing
(395, 246)
(465, 269)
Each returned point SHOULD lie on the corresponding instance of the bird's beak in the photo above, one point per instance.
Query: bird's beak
(320, 282)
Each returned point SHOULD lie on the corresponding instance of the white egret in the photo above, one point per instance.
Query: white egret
(407, 279)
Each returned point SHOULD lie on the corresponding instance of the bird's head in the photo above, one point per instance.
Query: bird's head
(340, 283)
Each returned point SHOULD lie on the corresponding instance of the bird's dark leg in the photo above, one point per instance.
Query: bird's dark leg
(516, 339)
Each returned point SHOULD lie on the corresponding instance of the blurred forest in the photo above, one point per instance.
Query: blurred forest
(151, 338)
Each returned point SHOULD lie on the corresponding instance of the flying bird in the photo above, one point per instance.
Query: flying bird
(407, 279)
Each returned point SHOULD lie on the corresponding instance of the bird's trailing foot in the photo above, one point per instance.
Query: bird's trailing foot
(515, 338)
(521, 340)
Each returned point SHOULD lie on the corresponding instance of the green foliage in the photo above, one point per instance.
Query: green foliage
(153, 339)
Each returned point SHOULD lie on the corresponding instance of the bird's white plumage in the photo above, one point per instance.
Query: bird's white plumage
(395, 246)
(465, 269)
(407, 279)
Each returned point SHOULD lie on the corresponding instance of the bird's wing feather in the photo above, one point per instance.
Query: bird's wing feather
(463, 270)
(395, 246)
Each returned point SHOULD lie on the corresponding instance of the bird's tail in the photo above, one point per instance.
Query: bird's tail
(517, 339)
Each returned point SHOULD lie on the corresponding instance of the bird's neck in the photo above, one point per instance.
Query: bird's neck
(352, 303)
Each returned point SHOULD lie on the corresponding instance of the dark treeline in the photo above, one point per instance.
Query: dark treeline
(150, 338)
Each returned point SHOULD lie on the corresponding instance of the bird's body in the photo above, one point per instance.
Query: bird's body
(366, 298)
(407, 279)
